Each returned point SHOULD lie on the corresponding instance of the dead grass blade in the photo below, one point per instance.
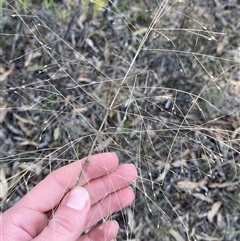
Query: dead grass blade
(3, 184)
(214, 210)
(7, 73)
(176, 235)
(190, 185)
(3, 111)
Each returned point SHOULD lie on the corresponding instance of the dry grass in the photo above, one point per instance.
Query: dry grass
(156, 82)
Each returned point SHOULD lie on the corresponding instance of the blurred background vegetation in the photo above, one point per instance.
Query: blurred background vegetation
(169, 70)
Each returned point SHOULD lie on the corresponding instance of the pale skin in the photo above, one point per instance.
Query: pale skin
(104, 190)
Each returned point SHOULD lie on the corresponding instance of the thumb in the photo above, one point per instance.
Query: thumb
(69, 220)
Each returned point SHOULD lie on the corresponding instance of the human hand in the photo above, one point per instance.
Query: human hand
(56, 209)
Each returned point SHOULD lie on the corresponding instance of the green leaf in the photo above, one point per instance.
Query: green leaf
(56, 133)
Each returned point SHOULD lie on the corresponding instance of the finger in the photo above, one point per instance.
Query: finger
(13, 224)
(122, 177)
(69, 220)
(103, 232)
(110, 204)
(59, 182)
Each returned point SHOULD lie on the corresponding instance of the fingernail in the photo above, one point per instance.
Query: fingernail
(133, 165)
(116, 224)
(77, 198)
(114, 153)
(129, 187)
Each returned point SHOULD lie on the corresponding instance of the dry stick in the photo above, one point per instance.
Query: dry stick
(118, 90)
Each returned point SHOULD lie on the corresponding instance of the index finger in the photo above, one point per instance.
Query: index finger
(49, 192)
